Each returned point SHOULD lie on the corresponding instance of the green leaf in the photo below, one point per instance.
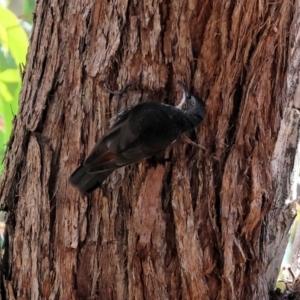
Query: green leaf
(13, 49)
(6, 60)
(10, 75)
(29, 6)
(3, 37)
(13, 36)
(5, 93)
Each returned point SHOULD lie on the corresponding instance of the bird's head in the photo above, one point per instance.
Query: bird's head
(190, 103)
(186, 97)
(186, 91)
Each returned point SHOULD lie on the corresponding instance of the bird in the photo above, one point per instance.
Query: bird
(139, 132)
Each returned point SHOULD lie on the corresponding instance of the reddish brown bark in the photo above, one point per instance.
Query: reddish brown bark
(206, 225)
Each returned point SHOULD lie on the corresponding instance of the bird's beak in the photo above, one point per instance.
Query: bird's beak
(185, 89)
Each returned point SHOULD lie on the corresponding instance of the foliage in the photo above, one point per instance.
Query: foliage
(29, 6)
(13, 49)
(284, 273)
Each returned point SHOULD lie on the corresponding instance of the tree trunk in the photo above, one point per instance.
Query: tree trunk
(208, 224)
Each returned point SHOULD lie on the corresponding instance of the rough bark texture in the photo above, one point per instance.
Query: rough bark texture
(206, 225)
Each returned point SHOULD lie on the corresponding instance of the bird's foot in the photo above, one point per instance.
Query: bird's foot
(118, 93)
(190, 142)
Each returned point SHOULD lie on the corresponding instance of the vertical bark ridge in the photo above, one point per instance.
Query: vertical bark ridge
(195, 228)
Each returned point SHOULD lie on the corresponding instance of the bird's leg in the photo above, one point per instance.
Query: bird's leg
(189, 141)
(199, 146)
(118, 93)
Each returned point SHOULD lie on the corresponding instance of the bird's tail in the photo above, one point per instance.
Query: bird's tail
(87, 182)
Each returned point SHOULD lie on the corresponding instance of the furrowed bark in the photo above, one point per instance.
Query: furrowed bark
(205, 225)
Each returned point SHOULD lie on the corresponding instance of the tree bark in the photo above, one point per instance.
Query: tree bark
(206, 225)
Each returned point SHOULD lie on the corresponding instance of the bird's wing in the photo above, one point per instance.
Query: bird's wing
(141, 135)
(125, 141)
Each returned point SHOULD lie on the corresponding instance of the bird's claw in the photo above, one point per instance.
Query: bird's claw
(190, 142)
(118, 93)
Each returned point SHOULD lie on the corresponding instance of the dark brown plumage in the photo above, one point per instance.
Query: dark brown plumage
(138, 133)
